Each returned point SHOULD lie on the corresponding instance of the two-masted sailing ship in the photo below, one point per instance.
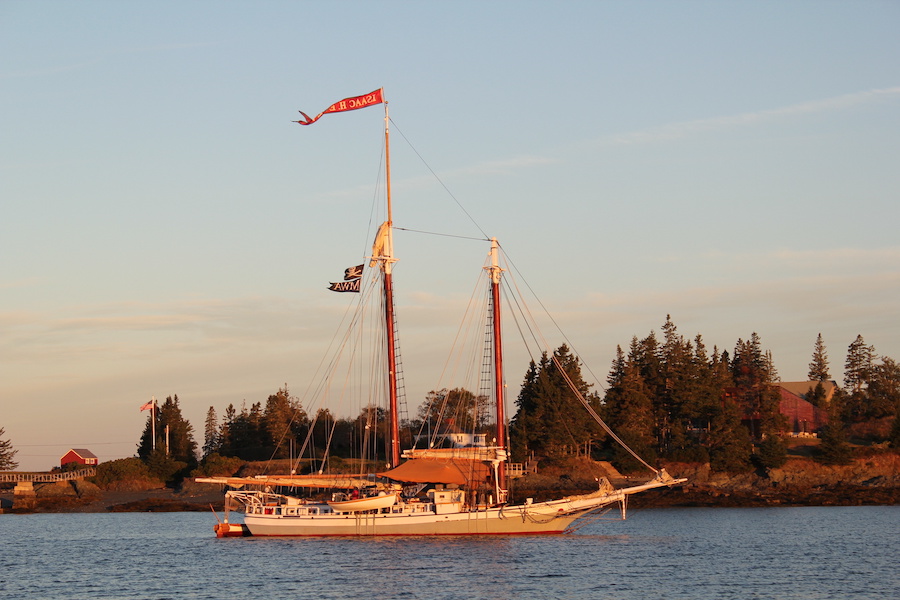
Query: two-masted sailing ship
(440, 489)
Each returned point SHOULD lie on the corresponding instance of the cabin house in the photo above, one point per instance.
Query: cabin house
(804, 388)
(80, 456)
(803, 417)
(456, 439)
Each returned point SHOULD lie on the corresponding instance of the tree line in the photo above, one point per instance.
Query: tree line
(670, 398)
(667, 397)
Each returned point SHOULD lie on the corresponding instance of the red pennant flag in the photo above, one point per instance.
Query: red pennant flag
(376, 97)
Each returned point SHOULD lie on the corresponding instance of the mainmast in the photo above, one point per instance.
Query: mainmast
(495, 273)
(387, 260)
(382, 253)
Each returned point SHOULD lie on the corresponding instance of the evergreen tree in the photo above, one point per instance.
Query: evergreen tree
(246, 436)
(630, 410)
(181, 444)
(833, 448)
(858, 367)
(617, 371)
(818, 366)
(550, 420)
(211, 433)
(772, 453)
(332, 434)
(704, 400)
(282, 420)
(7, 454)
(894, 435)
(729, 442)
(858, 371)
(816, 395)
(758, 400)
(770, 367)
(884, 389)
(527, 425)
(226, 443)
(679, 381)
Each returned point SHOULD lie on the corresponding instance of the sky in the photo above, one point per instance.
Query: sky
(167, 230)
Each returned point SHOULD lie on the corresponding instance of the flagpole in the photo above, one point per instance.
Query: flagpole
(387, 162)
(152, 423)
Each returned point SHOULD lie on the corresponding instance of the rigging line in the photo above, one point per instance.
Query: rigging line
(456, 351)
(321, 382)
(552, 320)
(513, 300)
(351, 344)
(528, 322)
(375, 203)
(427, 166)
(596, 417)
(450, 235)
(568, 380)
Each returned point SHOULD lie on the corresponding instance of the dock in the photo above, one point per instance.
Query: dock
(24, 496)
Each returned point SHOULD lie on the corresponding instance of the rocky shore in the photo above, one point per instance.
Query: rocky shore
(800, 482)
(65, 497)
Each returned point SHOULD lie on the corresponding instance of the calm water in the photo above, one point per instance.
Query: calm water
(715, 554)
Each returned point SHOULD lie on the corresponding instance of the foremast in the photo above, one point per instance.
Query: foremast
(495, 273)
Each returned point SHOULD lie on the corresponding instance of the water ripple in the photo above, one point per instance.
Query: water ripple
(698, 554)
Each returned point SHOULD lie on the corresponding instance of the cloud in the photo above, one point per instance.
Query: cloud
(126, 323)
(674, 131)
(133, 328)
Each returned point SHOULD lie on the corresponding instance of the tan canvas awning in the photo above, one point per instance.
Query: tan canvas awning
(426, 470)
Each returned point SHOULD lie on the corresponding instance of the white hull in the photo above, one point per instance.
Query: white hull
(268, 514)
(545, 517)
(414, 518)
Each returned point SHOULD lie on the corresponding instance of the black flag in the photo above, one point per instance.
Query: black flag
(353, 273)
(345, 286)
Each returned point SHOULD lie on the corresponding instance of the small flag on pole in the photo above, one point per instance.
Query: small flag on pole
(345, 286)
(376, 97)
(147, 406)
(352, 273)
(352, 277)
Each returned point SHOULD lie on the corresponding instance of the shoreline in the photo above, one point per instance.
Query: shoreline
(157, 500)
(686, 496)
(870, 480)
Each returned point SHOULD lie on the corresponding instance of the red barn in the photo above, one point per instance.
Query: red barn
(802, 416)
(80, 456)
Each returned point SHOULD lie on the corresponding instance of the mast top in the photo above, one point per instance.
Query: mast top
(494, 270)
